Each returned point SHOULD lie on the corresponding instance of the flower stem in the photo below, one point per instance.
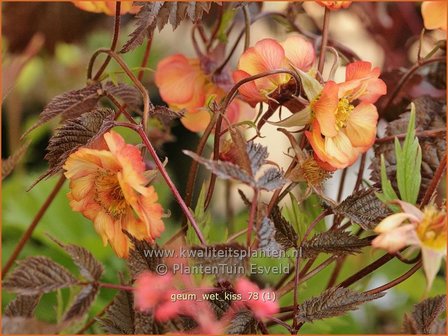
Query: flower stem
(252, 216)
(138, 84)
(113, 45)
(434, 182)
(27, 235)
(246, 27)
(145, 59)
(167, 178)
(325, 28)
(396, 281)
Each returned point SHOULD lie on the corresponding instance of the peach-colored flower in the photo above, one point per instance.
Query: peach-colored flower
(255, 299)
(106, 7)
(268, 55)
(334, 5)
(184, 85)
(425, 229)
(108, 186)
(340, 130)
(434, 14)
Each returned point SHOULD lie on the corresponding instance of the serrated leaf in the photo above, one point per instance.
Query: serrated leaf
(145, 324)
(119, 316)
(257, 154)
(233, 255)
(165, 114)
(266, 237)
(10, 163)
(159, 13)
(90, 268)
(222, 169)
(332, 302)
(271, 179)
(70, 104)
(37, 275)
(23, 306)
(409, 160)
(143, 256)
(424, 319)
(285, 234)
(243, 323)
(363, 208)
(240, 146)
(128, 94)
(74, 134)
(335, 242)
(82, 302)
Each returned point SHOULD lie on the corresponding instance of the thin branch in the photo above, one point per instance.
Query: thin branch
(434, 182)
(325, 29)
(435, 133)
(145, 58)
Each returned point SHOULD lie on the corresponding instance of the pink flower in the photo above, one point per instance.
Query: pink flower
(256, 299)
(334, 5)
(412, 227)
(268, 55)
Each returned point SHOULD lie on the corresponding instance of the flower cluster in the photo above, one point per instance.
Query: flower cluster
(188, 84)
(108, 186)
(425, 229)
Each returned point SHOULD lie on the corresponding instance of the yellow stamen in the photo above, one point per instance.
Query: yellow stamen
(343, 112)
(432, 229)
(108, 193)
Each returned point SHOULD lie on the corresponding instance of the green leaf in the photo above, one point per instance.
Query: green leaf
(203, 219)
(409, 160)
(227, 19)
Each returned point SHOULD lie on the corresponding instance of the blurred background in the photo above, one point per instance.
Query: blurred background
(45, 51)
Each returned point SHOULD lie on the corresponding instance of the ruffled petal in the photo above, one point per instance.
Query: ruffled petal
(249, 90)
(325, 108)
(361, 125)
(340, 150)
(299, 51)
(196, 122)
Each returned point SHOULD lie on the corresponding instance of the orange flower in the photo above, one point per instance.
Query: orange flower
(340, 130)
(426, 230)
(334, 5)
(184, 85)
(434, 14)
(268, 55)
(109, 188)
(106, 7)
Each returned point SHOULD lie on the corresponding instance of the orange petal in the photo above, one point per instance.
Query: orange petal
(299, 51)
(325, 109)
(317, 142)
(361, 126)
(340, 150)
(104, 225)
(196, 122)
(360, 70)
(249, 90)
(434, 14)
(179, 79)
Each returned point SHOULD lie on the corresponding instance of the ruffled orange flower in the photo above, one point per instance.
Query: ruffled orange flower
(334, 5)
(340, 130)
(108, 187)
(268, 55)
(412, 227)
(185, 86)
(106, 7)
(434, 14)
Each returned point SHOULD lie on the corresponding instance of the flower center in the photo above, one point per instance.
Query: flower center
(109, 194)
(343, 112)
(432, 229)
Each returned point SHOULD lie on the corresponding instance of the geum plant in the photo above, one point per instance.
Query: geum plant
(336, 122)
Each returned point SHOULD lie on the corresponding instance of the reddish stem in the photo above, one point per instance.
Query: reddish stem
(324, 43)
(434, 182)
(145, 59)
(252, 216)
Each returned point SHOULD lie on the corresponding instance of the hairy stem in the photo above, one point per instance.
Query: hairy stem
(145, 59)
(252, 217)
(113, 45)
